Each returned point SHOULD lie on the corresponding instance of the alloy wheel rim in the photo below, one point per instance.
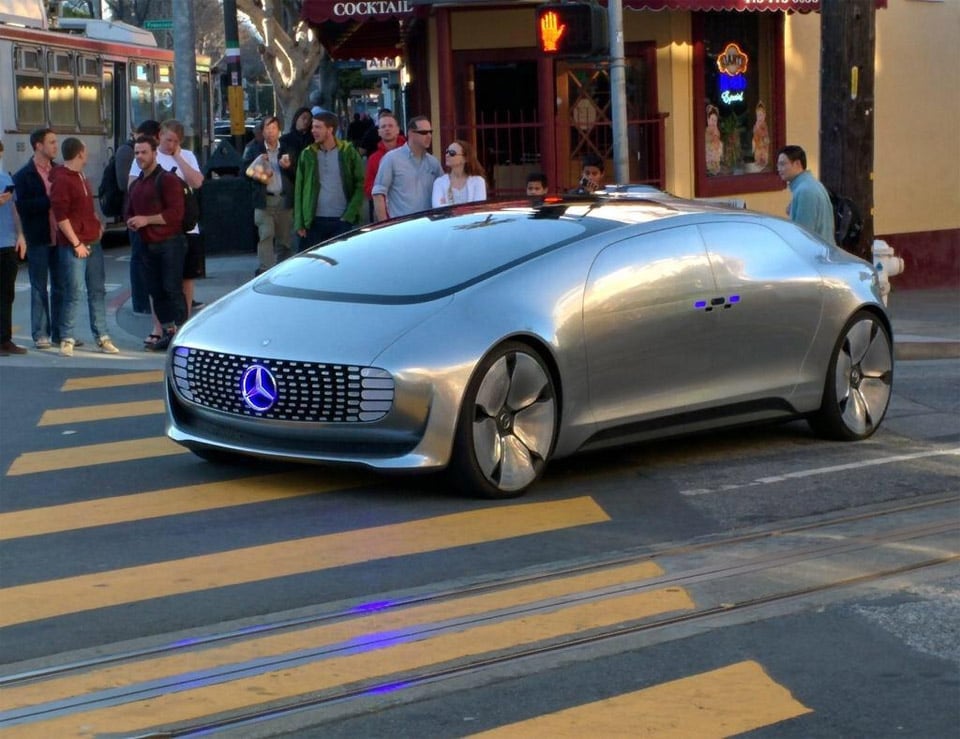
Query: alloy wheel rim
(514, 418)
(864, 376)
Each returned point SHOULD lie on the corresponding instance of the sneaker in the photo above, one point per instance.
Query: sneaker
(66, 347)
(161, 344)
(42, 343)
(8, 348)
(107, 346)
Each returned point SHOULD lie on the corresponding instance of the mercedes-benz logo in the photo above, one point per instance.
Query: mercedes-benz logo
(258, 387)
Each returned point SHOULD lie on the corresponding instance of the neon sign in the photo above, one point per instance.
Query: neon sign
(733, 60)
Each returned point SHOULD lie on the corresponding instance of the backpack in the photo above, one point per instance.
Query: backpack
(847, 222)
(191, 203)
(109, 193)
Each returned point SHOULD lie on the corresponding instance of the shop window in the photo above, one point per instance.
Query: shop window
(739, 117)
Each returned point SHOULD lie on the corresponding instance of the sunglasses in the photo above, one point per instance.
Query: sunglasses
(427, 132)
(452, 153)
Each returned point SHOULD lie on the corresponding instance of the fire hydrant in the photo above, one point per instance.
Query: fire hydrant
(887, 265)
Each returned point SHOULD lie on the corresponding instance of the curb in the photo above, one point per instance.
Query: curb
(923, 350)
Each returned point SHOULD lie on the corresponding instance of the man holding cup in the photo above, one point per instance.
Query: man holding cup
(272, 168)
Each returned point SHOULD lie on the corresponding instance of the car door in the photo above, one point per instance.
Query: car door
(768, 304)
(644, 337)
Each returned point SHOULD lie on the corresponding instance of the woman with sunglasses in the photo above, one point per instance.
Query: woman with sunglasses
(465, 182)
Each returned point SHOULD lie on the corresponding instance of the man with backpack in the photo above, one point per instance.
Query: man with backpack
(182, 162)
(155, 208)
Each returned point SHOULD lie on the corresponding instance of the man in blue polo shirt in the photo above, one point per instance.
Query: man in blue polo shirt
(404, 182)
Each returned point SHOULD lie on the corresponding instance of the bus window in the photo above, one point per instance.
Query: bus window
(61, 90)
(163, 92)
(88, 91)
(141, 93)
(30, 89)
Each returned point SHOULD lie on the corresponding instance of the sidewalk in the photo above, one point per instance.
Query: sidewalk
(225, 273)
(926, 323)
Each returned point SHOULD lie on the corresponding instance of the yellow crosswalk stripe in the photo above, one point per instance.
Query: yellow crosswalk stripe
(209, 700)
(712, 705)
(367, 629)
(118, 380)
(25, 603)
(70, 458)
(103, 412)
(172, 502)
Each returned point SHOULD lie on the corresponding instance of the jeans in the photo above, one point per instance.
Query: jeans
(9, 264)
(163, 273)
(75, 273)
(44, 304)
(139, 294)
(323, 229)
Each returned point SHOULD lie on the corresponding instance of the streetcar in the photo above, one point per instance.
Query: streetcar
(90, 78)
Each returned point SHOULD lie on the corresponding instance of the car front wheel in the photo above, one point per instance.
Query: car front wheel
(859, 381)
(507, 424)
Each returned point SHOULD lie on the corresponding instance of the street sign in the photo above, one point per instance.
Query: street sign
(159, 24)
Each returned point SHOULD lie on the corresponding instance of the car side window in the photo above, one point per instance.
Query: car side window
(658, 267)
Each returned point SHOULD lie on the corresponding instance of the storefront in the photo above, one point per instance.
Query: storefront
(714, 89)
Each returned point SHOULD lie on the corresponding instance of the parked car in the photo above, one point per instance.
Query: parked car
(490, 338)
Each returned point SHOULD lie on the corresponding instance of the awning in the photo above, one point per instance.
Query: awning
(359, 29)
(800, 6)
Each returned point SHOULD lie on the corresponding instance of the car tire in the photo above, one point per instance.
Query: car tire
(507, 425)
(859, 381)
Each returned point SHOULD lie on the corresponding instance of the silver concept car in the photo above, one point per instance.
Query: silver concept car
(491, 338)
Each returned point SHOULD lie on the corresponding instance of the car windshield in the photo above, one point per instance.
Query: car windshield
(430, 256)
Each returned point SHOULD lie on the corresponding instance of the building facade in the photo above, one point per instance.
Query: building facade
(713, 89)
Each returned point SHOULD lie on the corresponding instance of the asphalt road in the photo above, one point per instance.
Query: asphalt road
(758, 581)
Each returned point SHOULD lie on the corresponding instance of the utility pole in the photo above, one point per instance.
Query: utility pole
(847, 44)
(235, 90)
(185, 71)
(618, 93)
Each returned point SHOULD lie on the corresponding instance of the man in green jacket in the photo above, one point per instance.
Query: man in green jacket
(329, 186)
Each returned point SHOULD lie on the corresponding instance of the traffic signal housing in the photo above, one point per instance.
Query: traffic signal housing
(569, 29)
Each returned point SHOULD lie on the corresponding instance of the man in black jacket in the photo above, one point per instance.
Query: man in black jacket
(32, 184)
(272, 167)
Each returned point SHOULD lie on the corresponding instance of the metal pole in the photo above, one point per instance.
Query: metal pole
(618, 93)
(235, 90)
(185, 70)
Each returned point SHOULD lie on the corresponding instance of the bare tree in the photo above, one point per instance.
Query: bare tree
(135, 12)
(291, 58)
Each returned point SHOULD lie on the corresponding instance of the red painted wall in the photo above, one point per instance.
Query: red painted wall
(931, 259)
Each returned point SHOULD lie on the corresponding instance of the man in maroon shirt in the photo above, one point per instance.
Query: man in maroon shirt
(155, 211)
(79, 253)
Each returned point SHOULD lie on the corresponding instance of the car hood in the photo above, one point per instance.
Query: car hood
(297, 327)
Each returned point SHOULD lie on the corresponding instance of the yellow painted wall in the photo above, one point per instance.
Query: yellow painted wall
(917, 149)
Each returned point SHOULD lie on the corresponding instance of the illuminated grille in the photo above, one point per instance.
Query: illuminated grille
(304, 391)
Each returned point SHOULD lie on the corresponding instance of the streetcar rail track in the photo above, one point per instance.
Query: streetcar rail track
(620, 559)
(318, 699)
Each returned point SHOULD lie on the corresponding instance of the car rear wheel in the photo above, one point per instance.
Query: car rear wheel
(508, 424)
(859, 381)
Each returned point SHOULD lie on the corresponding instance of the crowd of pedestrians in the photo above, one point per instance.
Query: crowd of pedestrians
(310, 183)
